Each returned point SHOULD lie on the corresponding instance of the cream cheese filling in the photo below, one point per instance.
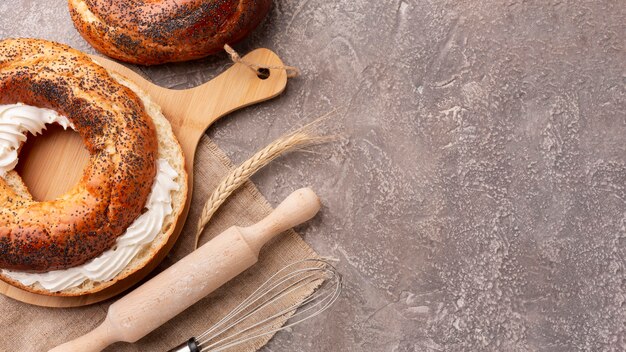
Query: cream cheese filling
(17, 119)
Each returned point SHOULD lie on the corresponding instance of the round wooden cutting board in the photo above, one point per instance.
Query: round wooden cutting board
(55, 162)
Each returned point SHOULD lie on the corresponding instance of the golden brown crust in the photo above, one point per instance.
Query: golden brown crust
(121, 140)
(150, 32)
(169, 150)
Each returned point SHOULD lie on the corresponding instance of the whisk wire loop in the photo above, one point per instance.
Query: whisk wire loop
(262, 313)
(286, 291)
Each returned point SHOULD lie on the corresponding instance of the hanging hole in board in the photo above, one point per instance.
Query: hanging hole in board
(263, 73)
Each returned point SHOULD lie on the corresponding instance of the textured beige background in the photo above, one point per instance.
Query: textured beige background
(479, 203)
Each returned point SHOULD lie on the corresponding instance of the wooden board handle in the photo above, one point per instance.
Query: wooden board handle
(237, 87)
(193, 277)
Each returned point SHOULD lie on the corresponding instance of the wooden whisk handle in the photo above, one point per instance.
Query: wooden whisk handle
(193, 277)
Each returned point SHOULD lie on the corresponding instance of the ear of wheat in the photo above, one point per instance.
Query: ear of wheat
(302, 137)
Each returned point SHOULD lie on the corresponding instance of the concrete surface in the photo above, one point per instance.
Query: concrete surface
(479, 202)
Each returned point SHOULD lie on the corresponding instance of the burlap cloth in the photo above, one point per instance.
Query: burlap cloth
(32, 328)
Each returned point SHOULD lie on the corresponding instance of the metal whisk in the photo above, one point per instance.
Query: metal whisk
(264, 311)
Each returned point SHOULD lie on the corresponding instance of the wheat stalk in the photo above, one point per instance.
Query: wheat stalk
(236, 178)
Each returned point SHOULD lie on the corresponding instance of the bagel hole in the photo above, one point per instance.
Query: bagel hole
(263, 73)
(52, 163)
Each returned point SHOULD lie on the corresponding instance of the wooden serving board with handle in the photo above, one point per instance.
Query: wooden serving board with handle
(45, 165)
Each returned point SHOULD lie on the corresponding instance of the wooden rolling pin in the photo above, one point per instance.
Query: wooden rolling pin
(193, 277)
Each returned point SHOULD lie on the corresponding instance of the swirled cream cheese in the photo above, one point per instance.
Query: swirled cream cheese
(15, 121)
(139, 234)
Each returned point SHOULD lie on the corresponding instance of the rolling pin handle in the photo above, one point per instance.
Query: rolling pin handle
(298, 207)
(94, 341)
